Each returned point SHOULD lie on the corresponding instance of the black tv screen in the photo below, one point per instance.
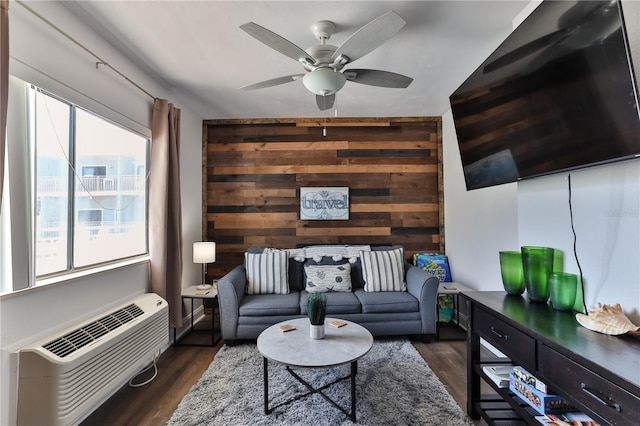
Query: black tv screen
(558, 94)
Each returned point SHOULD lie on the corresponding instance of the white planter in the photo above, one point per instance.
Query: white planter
(316, 331)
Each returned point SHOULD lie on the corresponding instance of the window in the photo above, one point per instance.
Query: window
(91, 187)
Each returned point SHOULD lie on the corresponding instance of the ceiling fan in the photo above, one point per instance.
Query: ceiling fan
(324, 62)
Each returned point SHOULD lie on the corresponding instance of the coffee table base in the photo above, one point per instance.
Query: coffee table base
(312, 390)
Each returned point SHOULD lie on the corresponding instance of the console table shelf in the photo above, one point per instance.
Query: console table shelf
(599, 374)
(502, 407)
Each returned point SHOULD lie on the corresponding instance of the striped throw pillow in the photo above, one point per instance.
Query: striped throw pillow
(267, 272)
(383, 270)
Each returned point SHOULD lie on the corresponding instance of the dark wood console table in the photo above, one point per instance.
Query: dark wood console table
(598, 373)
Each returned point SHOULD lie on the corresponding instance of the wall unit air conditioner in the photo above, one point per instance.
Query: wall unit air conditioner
(64, 377)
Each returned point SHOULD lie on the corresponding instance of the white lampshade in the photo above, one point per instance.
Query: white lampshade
(324, 81)
(204, 252)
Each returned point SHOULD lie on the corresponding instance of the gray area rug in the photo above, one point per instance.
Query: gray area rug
(394, 387)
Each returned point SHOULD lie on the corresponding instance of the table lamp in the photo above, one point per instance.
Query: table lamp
(204, 252)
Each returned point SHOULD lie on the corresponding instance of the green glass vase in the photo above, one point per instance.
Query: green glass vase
(558, 260)
(562, 290)
(512, 273)
(537, 266)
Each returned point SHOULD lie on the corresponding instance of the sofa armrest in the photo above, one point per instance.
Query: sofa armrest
(424, 286)
(231, 290)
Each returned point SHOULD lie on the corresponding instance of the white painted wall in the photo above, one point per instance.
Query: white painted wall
(606, 206)
(43, 57)
(478, 224)
(606, 214)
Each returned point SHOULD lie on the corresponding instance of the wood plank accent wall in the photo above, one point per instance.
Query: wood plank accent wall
(253, 171)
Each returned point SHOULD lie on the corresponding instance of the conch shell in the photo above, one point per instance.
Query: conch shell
(607, 319)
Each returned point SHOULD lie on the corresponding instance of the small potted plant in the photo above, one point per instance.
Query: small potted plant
(317, 309)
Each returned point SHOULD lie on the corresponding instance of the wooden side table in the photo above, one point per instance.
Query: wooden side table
(454, 289)
(193, 293)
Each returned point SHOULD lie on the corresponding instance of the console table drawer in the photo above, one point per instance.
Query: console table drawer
(605, 398)
(520, 347)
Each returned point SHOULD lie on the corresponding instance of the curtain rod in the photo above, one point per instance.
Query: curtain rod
(99, 62)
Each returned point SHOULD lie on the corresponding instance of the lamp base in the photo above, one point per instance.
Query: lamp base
(203, 286)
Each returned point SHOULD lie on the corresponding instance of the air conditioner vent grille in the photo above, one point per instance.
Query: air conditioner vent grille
(82, 336)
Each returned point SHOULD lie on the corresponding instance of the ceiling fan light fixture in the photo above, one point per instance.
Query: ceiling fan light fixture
(324, 81)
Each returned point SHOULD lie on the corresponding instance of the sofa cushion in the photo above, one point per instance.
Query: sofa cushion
(267, 272)
(383, 270)
(386, 302)
(337, 303)
(296, 275)
(270, 304)
(327, 278)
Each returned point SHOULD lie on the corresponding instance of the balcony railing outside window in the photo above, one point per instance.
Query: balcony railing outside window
(50, 185)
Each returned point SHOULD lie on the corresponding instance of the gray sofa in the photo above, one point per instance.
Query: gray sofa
(244, 316)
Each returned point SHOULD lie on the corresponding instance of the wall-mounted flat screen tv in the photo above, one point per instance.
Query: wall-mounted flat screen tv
(558, 94)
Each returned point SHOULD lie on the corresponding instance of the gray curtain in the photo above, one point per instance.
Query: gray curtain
(165, 215)
(4, 83)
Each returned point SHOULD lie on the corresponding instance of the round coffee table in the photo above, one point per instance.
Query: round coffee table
(297, 349)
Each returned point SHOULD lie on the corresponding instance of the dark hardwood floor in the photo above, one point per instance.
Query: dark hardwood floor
(181, 366)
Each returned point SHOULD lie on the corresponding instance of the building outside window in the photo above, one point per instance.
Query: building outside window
(91, 187)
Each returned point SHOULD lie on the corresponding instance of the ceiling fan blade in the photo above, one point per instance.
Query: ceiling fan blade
(276, 42)
(325, 102)
(378, 78)
(273, 82)
(370, 36)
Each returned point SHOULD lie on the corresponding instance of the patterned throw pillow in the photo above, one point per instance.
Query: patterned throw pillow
(267, 272)
(435, 263)
(325, 278)
(383, 270)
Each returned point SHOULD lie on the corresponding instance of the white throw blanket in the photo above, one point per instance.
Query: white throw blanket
(336, 252)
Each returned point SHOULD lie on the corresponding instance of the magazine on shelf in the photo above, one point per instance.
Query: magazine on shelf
(499, 374)
(566, 419)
